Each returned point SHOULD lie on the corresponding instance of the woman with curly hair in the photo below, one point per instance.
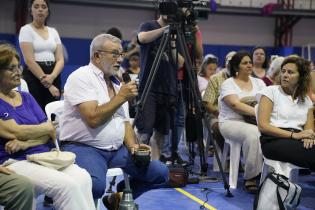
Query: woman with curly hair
(285, 116)
(233, 111)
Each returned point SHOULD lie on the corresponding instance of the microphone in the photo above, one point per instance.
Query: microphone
(126, 78)
(53, 117)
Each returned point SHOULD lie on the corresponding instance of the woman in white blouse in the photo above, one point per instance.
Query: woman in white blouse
(231, 111)
(285, 116)
(43, 54)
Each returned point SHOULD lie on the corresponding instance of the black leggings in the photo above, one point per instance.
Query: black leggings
(39, 92)
(288, 150)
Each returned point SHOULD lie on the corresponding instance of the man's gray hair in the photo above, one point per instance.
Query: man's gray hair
(275, 66)
(98, 42)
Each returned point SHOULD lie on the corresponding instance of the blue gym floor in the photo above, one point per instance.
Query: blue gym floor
(211, 194)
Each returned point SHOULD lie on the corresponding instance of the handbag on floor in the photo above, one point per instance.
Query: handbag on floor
(178, 175)
(277, 193)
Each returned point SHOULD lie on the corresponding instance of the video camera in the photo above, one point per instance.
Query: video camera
(185, 13)
(193, 8)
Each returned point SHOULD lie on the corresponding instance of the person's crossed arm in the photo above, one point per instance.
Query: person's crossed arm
(22, 137)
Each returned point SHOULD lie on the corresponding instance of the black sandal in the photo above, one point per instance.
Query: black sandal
(113, 204)
(250, 186)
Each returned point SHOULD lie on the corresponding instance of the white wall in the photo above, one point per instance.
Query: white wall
(84, 22)
(304, 32)
(237, 30)
(7, 24)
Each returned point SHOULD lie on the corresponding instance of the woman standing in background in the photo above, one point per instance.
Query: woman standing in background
(43, 54)
(260, 62)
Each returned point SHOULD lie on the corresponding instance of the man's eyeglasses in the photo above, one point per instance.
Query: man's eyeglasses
(13, 69)
(115, 54)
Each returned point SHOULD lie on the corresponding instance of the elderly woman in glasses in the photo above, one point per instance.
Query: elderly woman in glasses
(24, 130)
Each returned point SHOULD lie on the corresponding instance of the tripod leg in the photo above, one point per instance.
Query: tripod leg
(203, 163)
(198, 103)
(111, 184)
(192, 154)
(226, 185)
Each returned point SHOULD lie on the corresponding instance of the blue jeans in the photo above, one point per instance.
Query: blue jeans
(97, 161)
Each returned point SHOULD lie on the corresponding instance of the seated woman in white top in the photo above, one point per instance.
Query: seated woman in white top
(232, 109)
(285, 116)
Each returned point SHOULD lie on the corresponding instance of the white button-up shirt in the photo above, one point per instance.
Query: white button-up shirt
(88, 84)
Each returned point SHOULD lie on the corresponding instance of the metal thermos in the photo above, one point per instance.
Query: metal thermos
(127, 202)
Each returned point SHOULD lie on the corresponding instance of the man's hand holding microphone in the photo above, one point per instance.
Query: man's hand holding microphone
(129, 89)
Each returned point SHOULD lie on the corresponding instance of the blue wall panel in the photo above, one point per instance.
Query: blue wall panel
(8, 38)
(78, 51)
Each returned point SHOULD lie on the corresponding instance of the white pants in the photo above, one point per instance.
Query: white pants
(248, 135)
(70, 189)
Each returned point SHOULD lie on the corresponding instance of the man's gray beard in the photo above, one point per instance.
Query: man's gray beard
(116, 68)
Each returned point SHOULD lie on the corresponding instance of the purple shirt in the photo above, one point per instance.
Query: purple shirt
(28, 113)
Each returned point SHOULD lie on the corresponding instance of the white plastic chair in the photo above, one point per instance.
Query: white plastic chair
(207, 146)
(56, 107)
(110, 173)
(287, 169)
(235, 154)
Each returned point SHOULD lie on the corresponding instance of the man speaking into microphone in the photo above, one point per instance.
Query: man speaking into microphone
(95, 123)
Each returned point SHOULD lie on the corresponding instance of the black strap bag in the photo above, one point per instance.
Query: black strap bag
(277, 193)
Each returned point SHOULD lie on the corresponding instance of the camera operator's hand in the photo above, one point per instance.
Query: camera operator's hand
(128, 91)
(195, 28)
(186, 11)
(149, 36)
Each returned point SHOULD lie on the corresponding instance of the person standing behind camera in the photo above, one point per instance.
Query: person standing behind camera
(159, 110)
(43, 54)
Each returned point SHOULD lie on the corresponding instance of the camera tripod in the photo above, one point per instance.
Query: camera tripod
(175, 29)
